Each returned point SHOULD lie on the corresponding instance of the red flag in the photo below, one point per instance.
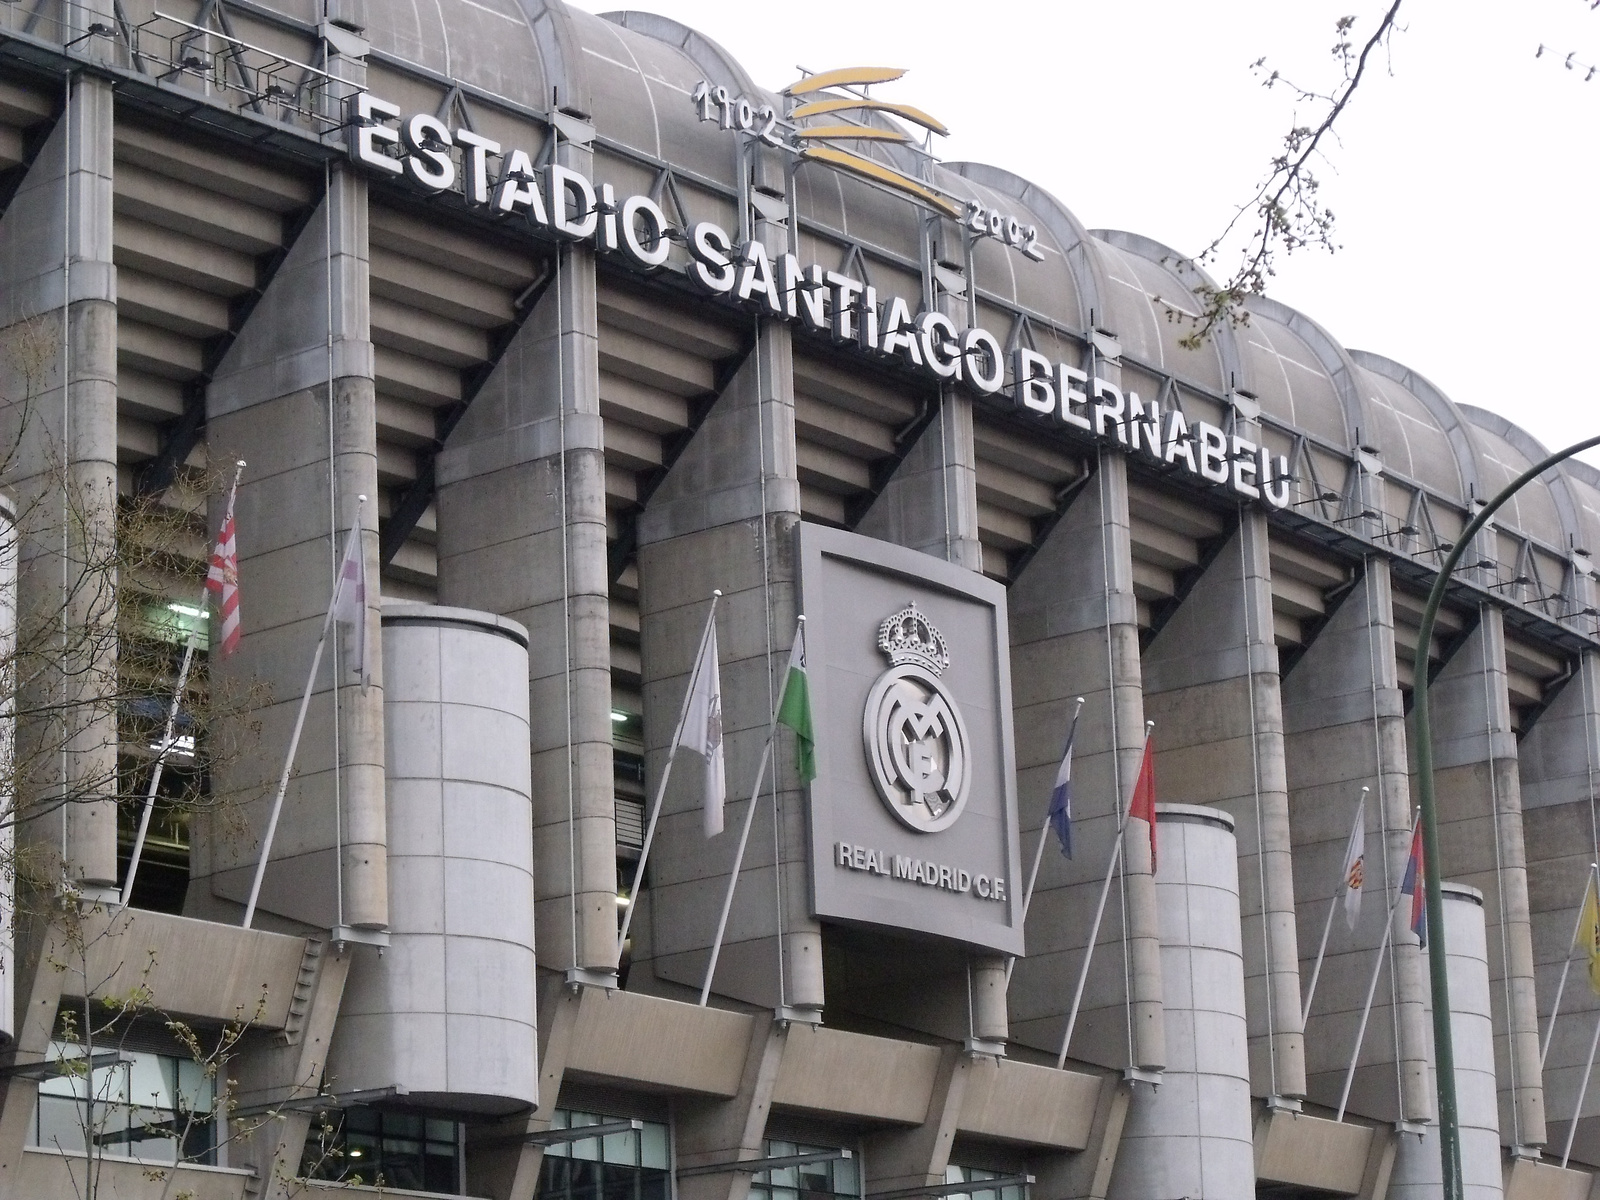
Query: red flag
(1144, 798)
(223, 578)
(1412, 885)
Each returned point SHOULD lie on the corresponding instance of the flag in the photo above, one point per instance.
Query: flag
(223, 578)
(794, 709)
(1355, 861)
(1589, 926)
(350, 600)
(1412, 885)
(702, 729)
(1144, 797)
(1060, 814)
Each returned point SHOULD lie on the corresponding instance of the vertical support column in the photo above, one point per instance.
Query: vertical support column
(1074, 632)
(1192, 1136)
(917, 1157)
(1560, 767)
(1416, 1167)
(1344, 728)
(720, 1131)
(931, 501)
(1475, 768)
(725, 518)
(522, 532)
(294, 396)
(58, 437)
(1211, 686)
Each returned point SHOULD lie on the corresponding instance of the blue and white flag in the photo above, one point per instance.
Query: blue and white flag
(1060, 814)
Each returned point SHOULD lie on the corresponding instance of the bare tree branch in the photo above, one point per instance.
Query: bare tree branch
(1286, 204)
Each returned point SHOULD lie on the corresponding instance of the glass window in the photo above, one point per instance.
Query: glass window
(976, 1176)
(809, 1181)
(632, 1165)
(157, 1107)
(389, 1149)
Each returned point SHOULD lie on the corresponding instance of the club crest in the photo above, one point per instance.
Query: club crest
(915, 739)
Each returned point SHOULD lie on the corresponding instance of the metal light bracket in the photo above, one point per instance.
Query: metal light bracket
(770, 1163)
(582, 1133)
(56, 1068)
(960, 1187)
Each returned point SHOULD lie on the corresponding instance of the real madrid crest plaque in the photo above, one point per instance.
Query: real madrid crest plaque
(913, 817)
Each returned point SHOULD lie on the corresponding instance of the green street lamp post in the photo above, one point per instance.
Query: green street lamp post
(1443, 1049)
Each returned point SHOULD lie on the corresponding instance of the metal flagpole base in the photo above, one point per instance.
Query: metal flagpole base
(985, 1047)
(787, 1015)
(363, 937)
(581, 977)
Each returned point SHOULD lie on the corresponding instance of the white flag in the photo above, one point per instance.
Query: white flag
(1355, 861)
(702, 730)
(350, 600)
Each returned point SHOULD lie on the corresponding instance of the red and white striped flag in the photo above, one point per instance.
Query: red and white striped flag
(223, 578)
(350, 600)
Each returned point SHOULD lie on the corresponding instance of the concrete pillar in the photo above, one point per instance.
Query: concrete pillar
(931, 504)
(917, 1157)
(1416, 1168)
(718, 1131)
(1481, 840)
(1074, 632)
(1191, 1138)
(1343, 730)
(931, 501)
(58, 430)
(1560, 767)
(522, 532)
(299, 408)
(725, 518)
(1211, 686)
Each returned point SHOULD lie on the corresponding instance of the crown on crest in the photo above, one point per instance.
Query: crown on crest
(909, 637)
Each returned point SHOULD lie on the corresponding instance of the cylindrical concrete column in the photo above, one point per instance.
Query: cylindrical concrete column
(448, 1011)
(1191, 1138)
(989, 999)
(1416, 1167)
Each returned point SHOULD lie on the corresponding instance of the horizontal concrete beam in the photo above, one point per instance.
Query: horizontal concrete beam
(249, 974)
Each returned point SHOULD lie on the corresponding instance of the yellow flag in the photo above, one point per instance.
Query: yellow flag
(1589, 932)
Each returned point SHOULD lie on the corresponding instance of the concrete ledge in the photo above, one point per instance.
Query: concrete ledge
(1526, 1179)
(1032, 1105)
(853, 1074)
(62, 1173)
(1313, 1152)
(646, 1039)
(159, 951)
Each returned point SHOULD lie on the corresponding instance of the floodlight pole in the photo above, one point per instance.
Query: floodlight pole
(1444, 1049)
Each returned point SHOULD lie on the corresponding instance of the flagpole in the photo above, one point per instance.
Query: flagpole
(1038, 856)
(738, 863)
(744, 833)
(1583, 1091)
(1099, 913)
(172, 719)
(1577, 926)
(666, 774)
(1366, 1010)
(1333, 907)
(294, 741)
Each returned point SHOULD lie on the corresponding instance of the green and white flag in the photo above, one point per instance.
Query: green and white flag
(795, 708)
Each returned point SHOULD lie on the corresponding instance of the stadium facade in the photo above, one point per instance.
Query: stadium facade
(579, 325)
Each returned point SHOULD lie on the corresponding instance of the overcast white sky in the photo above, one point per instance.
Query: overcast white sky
(1464, 183)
